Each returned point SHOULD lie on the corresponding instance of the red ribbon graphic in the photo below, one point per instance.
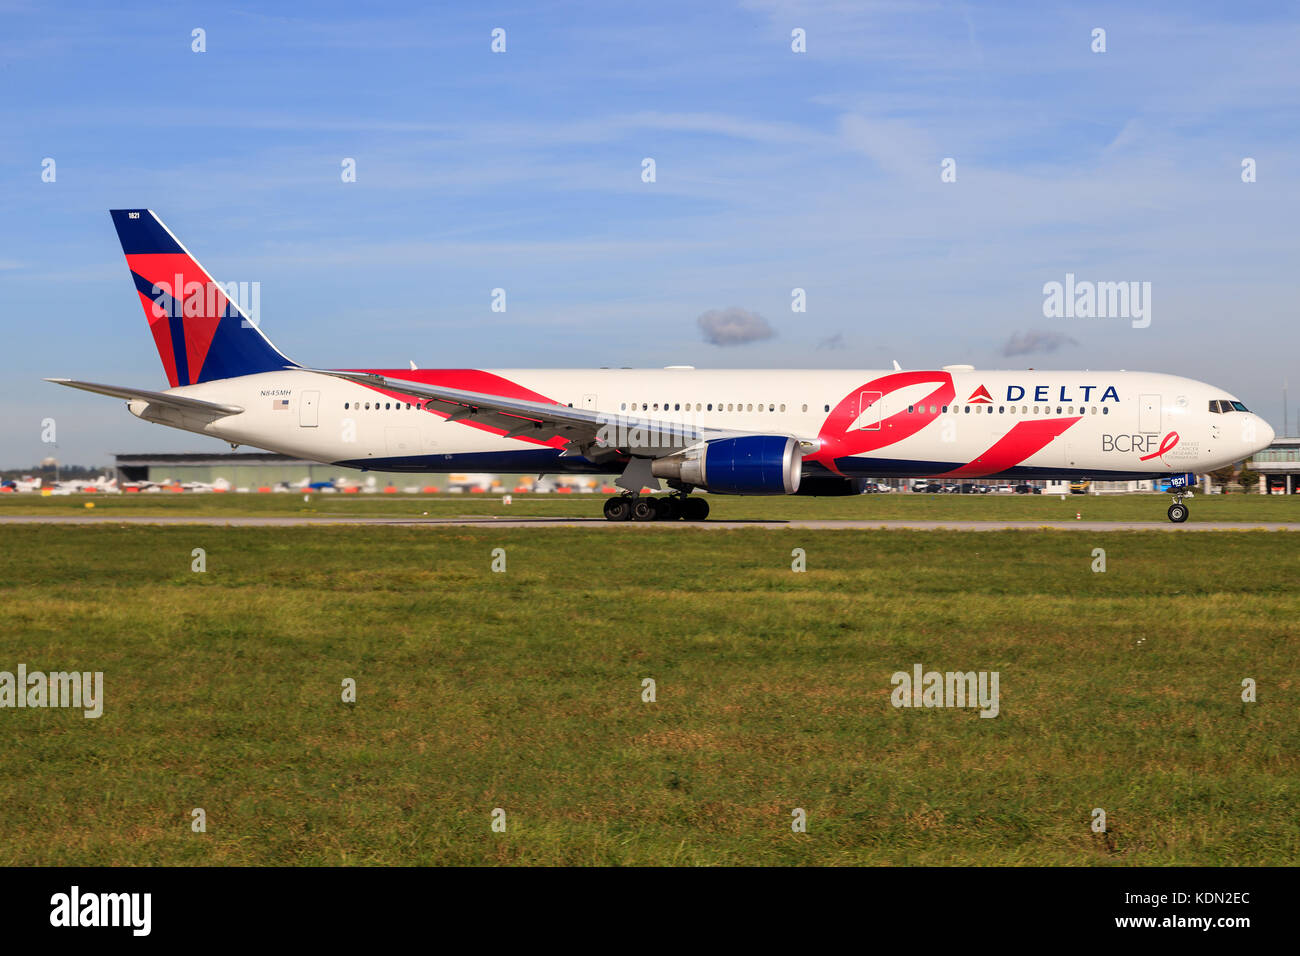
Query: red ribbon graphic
(838, 442)
(1166, 444)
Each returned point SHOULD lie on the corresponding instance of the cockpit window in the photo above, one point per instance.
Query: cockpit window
(1222, 405)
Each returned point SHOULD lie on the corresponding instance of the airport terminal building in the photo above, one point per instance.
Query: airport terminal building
(1278, 467)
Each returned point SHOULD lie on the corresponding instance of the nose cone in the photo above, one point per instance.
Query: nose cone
(1264, 434)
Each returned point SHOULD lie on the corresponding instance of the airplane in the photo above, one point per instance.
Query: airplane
(25, 484)
(738, 432)
(70, 486)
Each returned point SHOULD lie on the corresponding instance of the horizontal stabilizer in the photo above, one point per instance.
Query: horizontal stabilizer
(154, 398)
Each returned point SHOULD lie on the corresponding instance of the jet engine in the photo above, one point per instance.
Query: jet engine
(748, 465)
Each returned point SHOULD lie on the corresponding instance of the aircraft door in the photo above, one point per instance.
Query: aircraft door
(309, 409)
(869, 411)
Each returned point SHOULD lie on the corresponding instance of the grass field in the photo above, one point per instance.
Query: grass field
(522, 690)
(919, 507)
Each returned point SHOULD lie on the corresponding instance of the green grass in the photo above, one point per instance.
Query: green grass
(521, 690)
(897, 506)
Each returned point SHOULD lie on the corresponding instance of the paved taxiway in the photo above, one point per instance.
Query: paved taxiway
(475, 521)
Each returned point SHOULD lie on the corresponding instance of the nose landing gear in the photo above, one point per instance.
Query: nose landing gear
(1178, 511)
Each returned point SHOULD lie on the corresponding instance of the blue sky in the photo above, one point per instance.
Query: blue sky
(775, 170)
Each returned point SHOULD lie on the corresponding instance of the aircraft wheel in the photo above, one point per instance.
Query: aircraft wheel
(1178, 513)
(695, 509)
(617, 509)
(670, 508)
(644, 509)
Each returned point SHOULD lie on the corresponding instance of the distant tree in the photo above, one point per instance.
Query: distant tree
(1225, 476)
(67, 472)
(1249, 480)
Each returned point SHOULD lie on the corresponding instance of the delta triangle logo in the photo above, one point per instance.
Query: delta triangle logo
(980, 396)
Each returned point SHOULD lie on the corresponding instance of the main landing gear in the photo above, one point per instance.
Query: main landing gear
(1178, 511)
(665, 508)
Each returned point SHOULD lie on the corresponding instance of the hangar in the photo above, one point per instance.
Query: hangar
(241, 469)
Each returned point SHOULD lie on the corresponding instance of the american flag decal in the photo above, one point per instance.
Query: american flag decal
(280, 404)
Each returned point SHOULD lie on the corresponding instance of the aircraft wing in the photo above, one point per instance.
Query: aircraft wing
(154, 398)
(540, 421)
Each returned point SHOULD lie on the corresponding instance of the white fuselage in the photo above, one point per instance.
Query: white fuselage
(958, 422)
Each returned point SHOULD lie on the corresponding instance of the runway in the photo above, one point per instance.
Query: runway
(637, 526)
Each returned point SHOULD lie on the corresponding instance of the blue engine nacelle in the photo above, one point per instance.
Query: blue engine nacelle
(749, 465)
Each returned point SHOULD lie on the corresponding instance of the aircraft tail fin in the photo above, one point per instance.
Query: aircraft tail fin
(200, 330)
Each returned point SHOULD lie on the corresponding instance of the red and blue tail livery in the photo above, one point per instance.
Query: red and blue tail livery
(201, 332)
